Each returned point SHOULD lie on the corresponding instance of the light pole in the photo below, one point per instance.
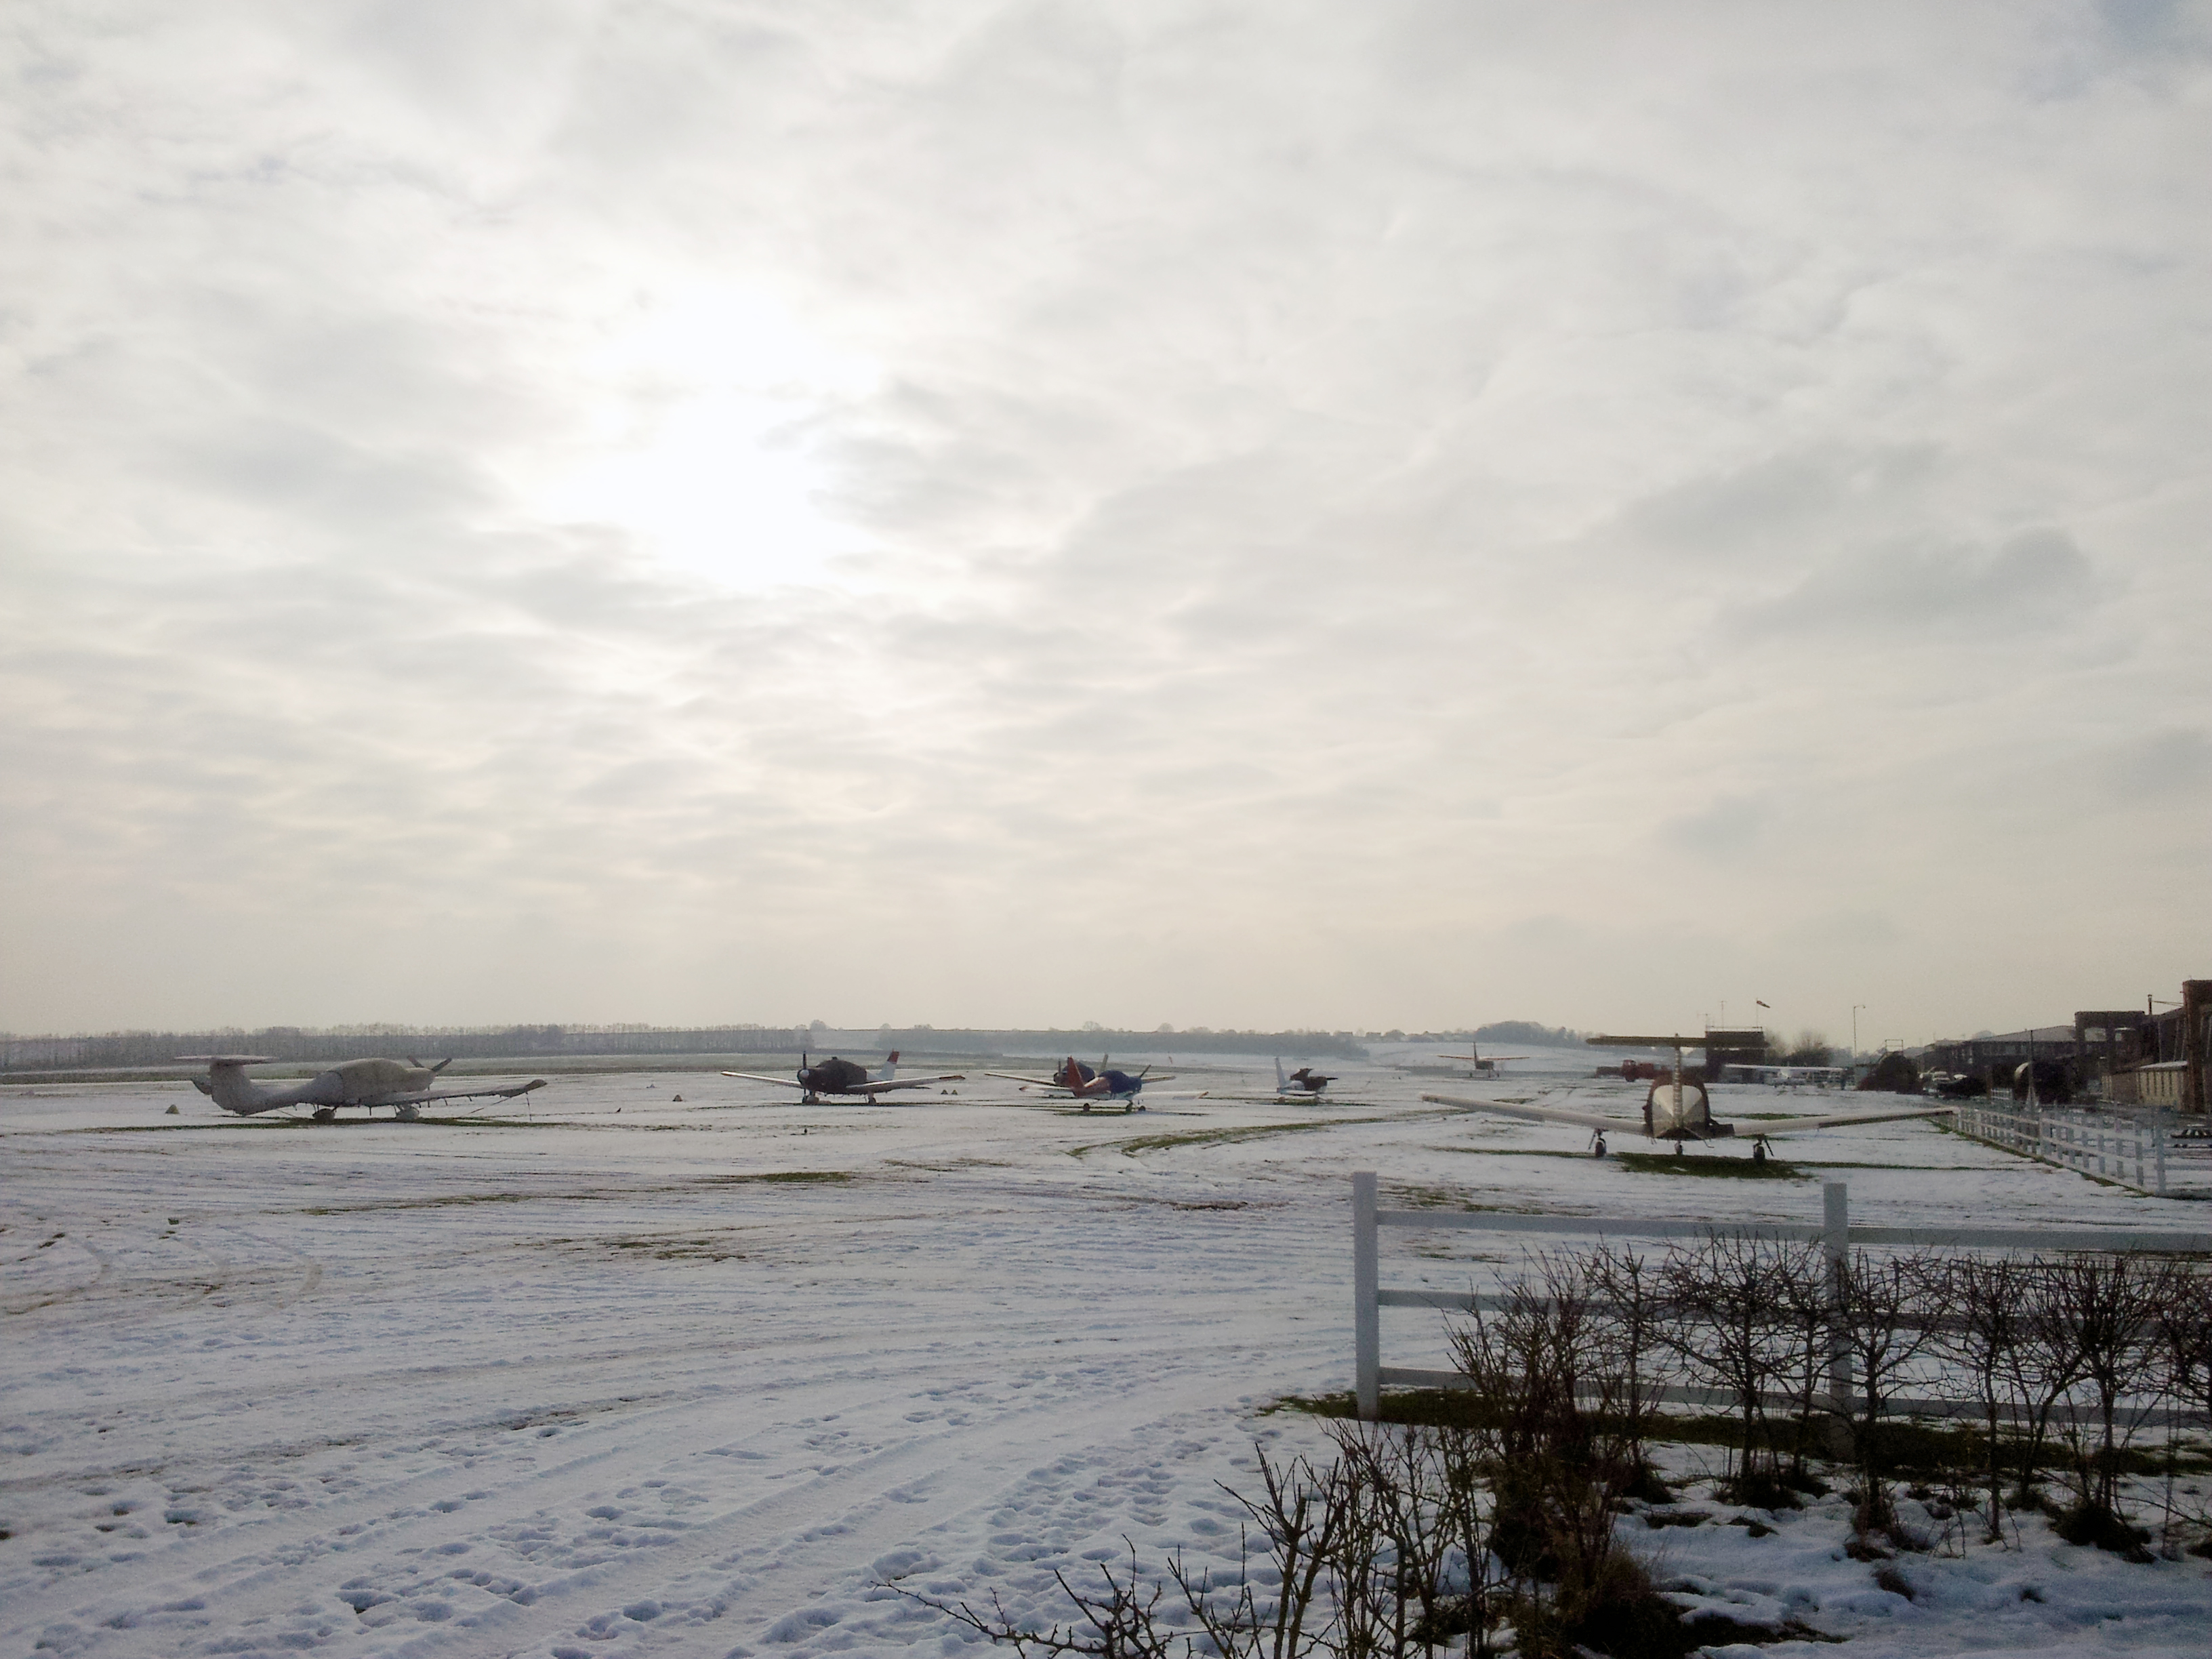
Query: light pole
(1856, 1006)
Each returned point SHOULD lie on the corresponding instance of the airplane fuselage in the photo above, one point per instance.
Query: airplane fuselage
(834, 1076)
(1681, 1112)
(364, 1083)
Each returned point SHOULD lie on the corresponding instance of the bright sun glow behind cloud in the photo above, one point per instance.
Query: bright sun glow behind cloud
(700, 439)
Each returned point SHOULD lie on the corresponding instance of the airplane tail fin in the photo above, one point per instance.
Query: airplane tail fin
(1281, 1082)
(891, 1067)
(227, 1083)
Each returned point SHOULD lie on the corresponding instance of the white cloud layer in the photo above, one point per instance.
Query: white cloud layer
(1409, 514)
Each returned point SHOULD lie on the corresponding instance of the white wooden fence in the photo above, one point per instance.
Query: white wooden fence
(2129, 1146)
(1835, 1234)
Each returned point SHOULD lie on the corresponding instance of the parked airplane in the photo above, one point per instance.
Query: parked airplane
(1676, 1107)
(1077, 1081)
(834, 1076)
(1678, 1111)
(1304, 1081)
(1484, 1065)
(403, 1086)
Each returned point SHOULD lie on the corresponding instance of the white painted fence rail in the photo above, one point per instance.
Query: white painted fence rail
(2126, 1145)
(1835, 1234)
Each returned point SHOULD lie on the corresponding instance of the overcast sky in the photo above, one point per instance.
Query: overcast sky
(1340, 515)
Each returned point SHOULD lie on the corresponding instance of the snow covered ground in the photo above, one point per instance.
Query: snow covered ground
(642, 1378)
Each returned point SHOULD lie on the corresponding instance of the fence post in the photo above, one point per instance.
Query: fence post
(1366, 1313)
(1835, 1243)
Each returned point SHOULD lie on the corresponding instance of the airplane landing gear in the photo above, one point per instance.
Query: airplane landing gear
(1759, 1151)
(407, 1113)
(325, 1114)
(1597, 1144)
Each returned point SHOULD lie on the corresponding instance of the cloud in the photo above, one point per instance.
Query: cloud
(602, 515)
(2038, 579)
(2160, 765)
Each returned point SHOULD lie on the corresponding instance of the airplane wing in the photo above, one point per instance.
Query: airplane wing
(762, 1077)
(482, 1094)
(872, 1089)
(1798, 1126)
(1023, 1077)
(1537, 1114)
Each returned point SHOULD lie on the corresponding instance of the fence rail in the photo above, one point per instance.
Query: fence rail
(1835, 1235)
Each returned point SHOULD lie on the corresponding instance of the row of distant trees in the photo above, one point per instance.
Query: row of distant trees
(127, 1050)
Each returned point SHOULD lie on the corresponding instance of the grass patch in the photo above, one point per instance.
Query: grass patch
(1511, 1151)
(1724, 1169)
(666, 1248)
(454, 1201)
(1203, 1137)
(1407, 1195)
(777, 1176)
(1908, 1448)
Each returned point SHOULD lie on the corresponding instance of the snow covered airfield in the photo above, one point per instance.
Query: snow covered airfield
(638, 1377)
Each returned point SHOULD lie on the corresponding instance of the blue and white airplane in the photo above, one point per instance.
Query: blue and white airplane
(1073, 1080)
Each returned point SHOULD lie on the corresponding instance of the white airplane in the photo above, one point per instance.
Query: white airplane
(403, 1086)
(834, 1076)
(1305, 1082)
(1680, 1112)
(1677, 1110)
(1484, 1064)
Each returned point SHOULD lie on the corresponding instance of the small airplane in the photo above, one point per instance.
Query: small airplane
(1304, 1081)
(1484, 1065)
(1086, 1084)
(403, 1086)
(1678, 1109)
(834, 1076)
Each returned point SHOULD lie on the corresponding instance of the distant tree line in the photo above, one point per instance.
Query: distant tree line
(1526, 1030)
(127, 1050)
(1291, 1045)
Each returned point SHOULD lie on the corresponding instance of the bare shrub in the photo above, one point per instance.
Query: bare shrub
(1384, 1554)
(1631, 1313)
(2109, 1309)
(2041, 1370)
(1985, 1304)
(1731, 1296)
(1413, 1559)
(1411, 1539)
(2185, 1329)
(1882, 1317)
(1564, 1378)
